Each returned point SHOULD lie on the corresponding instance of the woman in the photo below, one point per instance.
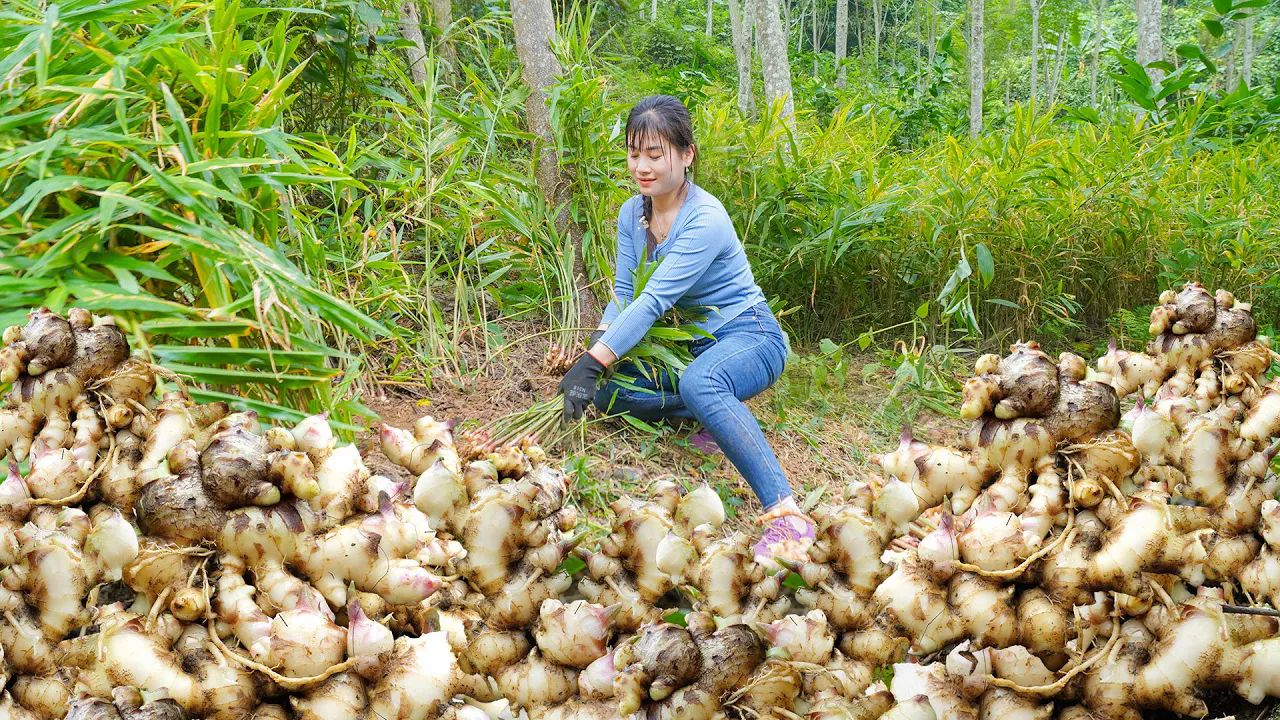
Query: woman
(703, 265)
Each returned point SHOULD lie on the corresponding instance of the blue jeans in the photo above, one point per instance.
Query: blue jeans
(746, 356)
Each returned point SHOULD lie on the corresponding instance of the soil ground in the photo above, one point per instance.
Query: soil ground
(824, 419)
(823, 430)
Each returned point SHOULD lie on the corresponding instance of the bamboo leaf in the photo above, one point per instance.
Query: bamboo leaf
(189, 329)
(223, 377)
(249, 357)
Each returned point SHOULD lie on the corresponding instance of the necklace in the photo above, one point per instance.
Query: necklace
(645, 222)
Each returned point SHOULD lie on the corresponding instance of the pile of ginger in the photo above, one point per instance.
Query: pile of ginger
(1083, 554)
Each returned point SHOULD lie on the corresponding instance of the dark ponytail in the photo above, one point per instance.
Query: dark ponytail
(667, 119)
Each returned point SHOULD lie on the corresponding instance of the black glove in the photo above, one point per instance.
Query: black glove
(594, 337)
(579, 386)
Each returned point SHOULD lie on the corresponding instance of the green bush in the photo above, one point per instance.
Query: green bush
(144, 173)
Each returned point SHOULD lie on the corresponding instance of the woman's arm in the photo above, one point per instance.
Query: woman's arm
(698, 245)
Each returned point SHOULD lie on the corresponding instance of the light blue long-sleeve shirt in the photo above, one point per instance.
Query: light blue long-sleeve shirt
(703, 266)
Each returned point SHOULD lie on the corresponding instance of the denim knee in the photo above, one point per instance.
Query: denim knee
(605, 398)
(697, 388)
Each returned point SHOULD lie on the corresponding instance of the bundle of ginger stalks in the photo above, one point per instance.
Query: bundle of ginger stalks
(163, 559)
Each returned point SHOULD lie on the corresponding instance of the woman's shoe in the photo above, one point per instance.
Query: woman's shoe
(705, 444)
(788, 537)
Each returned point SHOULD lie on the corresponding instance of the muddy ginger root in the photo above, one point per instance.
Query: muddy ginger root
(441, 493)
(517, 603)
(234, 469)
(1210, 449)
(45, 343)
(52, 573)
(1028, 382)
(351, 554)
(729, 656)
(852, 540)
(657, 662)
(774, 687)
(638, 530)
(701, 506)
(498, 528)
(536, 681)
(176, 507)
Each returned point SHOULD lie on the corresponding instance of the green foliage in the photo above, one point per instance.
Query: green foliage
(665, 349)
(1073, 223)
(144, 173)
(271, 187)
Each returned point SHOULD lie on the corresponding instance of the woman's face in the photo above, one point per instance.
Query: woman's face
(656, 167)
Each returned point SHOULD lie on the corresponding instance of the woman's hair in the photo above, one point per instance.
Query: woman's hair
(662, 117)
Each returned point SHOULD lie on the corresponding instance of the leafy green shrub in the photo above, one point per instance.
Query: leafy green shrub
(143, 173)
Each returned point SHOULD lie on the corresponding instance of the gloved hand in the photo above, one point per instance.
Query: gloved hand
(594, 337)
(579, 386)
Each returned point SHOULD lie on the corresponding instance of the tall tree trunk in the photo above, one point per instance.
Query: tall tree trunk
(535, 28)
(740, 25)
(1055, 70)
(842, 41)
(442, 18)
(976, 63)
(1246, 66)
(933, 31)
(816, 41)
(711, 6)
(411, 30)
(1035, 47)
(773, 58)
(877, 19)
(1098, 8)
(1231, 78)
(1150, 48)
(857, 24)
(653, 10)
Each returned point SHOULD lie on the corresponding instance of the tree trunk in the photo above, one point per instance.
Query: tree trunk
(1246, 66)
(711, 5)
(1055, 68)
(442, 18)
(842, 41)
(1231, 78)
(740, 25)
(933, 32)
(1035, 48)
(534, 30)
(1098, 8)
(816, 41)
(411, 30)
(877, 19)
(976, 62)
(773, 58)
(653, 10)
(1150, 48)
(857, 24)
